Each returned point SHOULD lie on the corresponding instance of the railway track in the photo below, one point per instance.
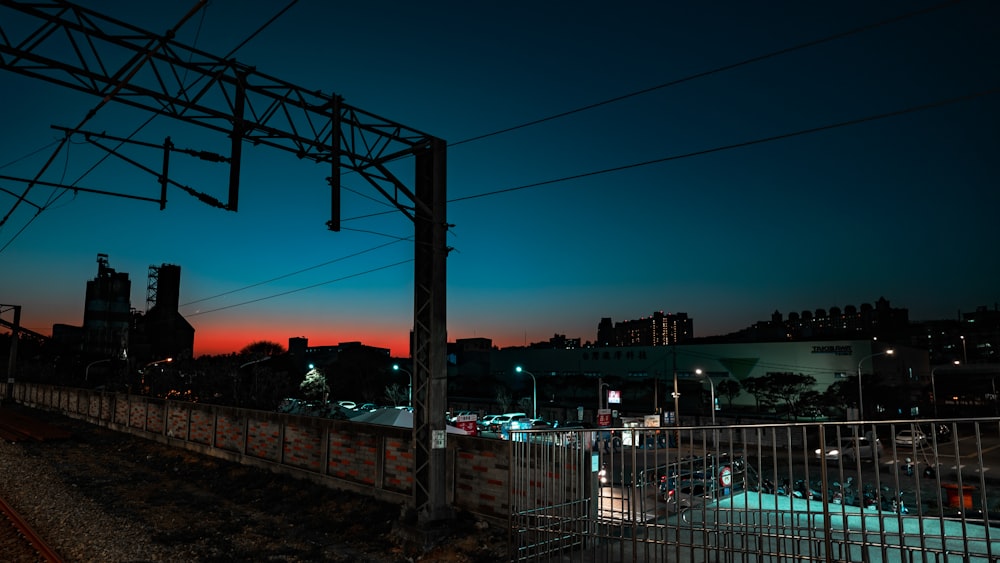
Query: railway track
(18, 541)
(17, 427)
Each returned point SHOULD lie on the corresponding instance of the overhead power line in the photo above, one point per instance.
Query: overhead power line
(716, 70)
(291, 291)
(138, 129)
(290, 274)
(742, 144)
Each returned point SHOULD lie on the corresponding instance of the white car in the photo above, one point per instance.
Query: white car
(910, 438)
(497, 423)
(484, 422)
(850, 449)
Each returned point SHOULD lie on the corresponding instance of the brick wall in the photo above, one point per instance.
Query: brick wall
(372, 459)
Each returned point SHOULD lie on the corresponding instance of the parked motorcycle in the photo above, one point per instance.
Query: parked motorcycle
(804, 490)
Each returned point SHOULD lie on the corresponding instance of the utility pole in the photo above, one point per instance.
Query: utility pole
(254, 109)
(15, 330)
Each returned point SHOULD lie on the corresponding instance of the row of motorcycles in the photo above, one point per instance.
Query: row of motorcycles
(869, 498)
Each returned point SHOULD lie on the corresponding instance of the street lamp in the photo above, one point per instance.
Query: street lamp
(711, 385)
(934, 389)
(409, 390)
(534, 391)
(676, 394)
(861, 404)
(677, 402)
(163, 361)
(252, 362)
(965, 353)
(86, 372)
(151, 364)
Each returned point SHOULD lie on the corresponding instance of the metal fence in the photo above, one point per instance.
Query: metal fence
(908, 491)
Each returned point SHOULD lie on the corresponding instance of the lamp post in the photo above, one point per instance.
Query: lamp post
(965, 353)
(711, 385)
(602, 399)
(934, 388)
(163, 361)
(86, 372)
(250, 363)
(409, 393)
(534, 391)
(151, 364)
(677, 402)
(676, 394)
(861, 404)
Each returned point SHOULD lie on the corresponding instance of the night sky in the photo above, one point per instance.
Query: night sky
(722, 159)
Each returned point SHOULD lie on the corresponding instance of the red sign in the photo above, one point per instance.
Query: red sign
(467, 422)
(604, 417)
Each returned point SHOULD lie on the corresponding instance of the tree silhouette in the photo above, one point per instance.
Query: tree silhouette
(757, 387)
(730, 388)
(788, 387)
(503, 398)
(396, 394)
(262, 349)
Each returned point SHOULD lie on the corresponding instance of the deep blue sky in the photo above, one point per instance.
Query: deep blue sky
(903, 207)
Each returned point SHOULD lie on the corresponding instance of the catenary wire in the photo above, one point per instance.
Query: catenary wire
(64, 140)
(720, 148)
(315, 285)
(713, 71)
(133, 66)
(742, 144)
(626, 96)
(290, 274)
(689, 78)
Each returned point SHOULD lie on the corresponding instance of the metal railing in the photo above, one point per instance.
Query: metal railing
(925, 491)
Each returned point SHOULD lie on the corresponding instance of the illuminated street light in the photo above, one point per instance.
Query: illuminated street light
(149, 365)
(711, 385)
(409, 390)
(534, 391)
(676, 394)
(861, 404)
(163, 361)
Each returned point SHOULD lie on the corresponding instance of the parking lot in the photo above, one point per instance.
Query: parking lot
(894, 501)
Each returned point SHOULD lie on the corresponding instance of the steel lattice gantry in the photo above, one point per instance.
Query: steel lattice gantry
(81, 49)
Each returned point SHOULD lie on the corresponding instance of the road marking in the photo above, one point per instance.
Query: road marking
(984, 450)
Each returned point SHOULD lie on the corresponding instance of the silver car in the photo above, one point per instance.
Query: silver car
(850, 450)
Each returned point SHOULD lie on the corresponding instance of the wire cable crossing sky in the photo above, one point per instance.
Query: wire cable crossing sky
(844, 154)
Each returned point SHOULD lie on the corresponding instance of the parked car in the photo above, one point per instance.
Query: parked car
(943, 431)
(453, 416)
(515, 423)
(910, 438)
(485, 422)
(692, 483)
(505, 418)
(850, 450)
